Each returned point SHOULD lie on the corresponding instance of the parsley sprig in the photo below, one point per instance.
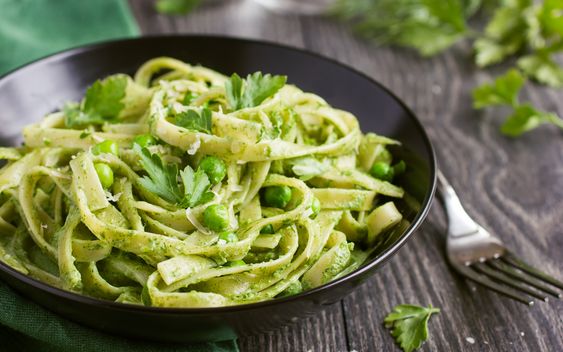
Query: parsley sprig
(432, 26)
(427, 26)
(252, 91)
(162, 180)
(176, 7)
(102, 103)
(524, 27)
(196, 186)
(529, 30)
(192, 120)
(504, 91)
(409, 325)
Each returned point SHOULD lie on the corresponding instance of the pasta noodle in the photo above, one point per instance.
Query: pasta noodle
(182, 187)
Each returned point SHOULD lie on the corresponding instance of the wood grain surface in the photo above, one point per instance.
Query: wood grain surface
(514, 187)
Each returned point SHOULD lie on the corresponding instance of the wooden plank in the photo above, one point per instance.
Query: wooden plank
(513, 187)
(324, 332)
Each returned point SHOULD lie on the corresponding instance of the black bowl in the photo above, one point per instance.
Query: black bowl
(30, 92)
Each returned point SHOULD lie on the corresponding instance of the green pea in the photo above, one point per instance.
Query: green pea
(106, 147)
(216, 217)
(277, 196)
(237, 263)
(315, 207)
(105, 174)
(382, 171)
(268, 229)
(214, 167)
(144, 140)
(228, 236)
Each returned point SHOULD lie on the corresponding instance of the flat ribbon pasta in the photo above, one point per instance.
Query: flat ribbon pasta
(122, 238)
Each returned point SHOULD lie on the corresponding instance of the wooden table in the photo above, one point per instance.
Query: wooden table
(512, 187)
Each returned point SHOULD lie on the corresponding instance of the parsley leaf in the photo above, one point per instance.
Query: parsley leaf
(162, 180)
(526, 118)
(260, 87)
(102, 103)
(543, 69)
(188, 98)
(504, 91)
(505, 34)
(253, 90)
(409, 324)
(104, 97)
(176, 7)
(85, 134)
(192, 120)
(489, 51)
(74, 116)
(545, 37)
(551, 17)
(196, 187)
(233, 89)
(429, 26)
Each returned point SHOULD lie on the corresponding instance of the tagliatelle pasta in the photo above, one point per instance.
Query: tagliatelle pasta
(182, 187)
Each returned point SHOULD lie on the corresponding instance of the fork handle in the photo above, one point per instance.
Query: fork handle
(459, 222)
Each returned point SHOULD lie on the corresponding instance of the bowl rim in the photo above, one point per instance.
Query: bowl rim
(374, 263)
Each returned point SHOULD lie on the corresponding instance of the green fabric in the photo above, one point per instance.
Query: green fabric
(30, 29)
(26, 326)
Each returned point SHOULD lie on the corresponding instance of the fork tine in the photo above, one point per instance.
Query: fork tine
(496, 275)
(519, 264)
(530, 280)
(485, 281)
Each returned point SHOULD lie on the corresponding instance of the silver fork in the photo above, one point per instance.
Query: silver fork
(481, 257)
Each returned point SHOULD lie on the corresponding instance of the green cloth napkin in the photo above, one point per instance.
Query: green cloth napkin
(30, 29)
(26, 326)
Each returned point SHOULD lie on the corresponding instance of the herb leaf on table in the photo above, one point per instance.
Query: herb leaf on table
(543, 69)
(531, 31)
(428, 26)
(526, 118)
(505, 34)
(176, 7)
(409, 325)
(504, 91)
